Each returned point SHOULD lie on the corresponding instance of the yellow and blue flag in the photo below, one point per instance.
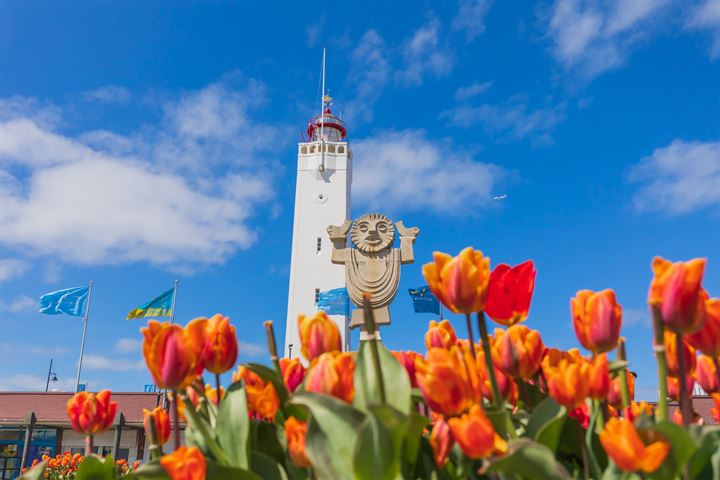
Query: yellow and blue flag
(70, 301)
(157, 307)
(424, 301)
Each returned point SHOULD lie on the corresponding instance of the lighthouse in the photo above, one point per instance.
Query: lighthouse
(322, 198)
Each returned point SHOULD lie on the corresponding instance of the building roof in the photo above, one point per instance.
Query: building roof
(50, 407)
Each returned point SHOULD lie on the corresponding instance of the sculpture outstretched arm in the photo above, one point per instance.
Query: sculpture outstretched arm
(407, 238)
(338, 237)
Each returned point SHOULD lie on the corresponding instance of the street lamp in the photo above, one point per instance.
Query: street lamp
(51, 376)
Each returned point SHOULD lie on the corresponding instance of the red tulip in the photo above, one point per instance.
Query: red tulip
(510, 291)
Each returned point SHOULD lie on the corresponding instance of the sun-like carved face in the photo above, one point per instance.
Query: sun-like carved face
(372, 232)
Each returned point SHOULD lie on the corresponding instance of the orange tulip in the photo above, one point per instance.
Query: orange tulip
(295, 432)
(673, 386)
(185, 463)
(172, 353)
(332, 374)
(440, 335)
(598, 377)
(637, 409)
(448, 379)
(706, 374)
(510, 290)
(625, 445)
(507, 386)
(91, 413)
(318, 335)
(519, 351)
(597, 318)
(475, 434)
(293, 372)
(677, 291)
(671, 354)
(407, 359)
(212, 394)
(715, 411)
(460, 283)
(614, 396)
(220, 349)
(707, 339)
(161, 419)
(441, 441)
(262, 399)
(567, 378)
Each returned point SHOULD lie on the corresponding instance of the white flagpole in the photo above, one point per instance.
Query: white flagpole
(172, 309)
(82, 342)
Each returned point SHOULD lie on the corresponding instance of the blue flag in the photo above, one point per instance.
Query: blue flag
(424, 301)
(334, 302)
(70, 301)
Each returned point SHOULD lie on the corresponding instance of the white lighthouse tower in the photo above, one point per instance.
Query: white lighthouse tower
(322, 198)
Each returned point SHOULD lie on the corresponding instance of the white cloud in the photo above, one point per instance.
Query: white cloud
(679, 178)
(513, 119)
(11, 267)
(247, 349)
(156, 196)
(108, 94)
(593, 37)
(114, 364)
(637, 316)
(127, 345)
(706, 17)
(472, 90)
(7, 348)
(314, 30)
(24, 382)
(423, 54)
(407, 170)
(21, 304)
(369, 74)
(470, 17)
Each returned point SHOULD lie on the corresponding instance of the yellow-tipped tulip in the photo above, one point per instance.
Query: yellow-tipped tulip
(332, 374)
(672, 354)
(161, 419)
(295, 432)
(448, 379)
(597, 318)
(440, 335)
(707, 339)
(173, 353)
(91, 413)
(441, 441)
(624, 444)
(475, 434)
(185, 463)
(706, 374)
(460, 283)
(567, 378)
(519, 351)
(220, 349)
(318, 335)
(677, 291)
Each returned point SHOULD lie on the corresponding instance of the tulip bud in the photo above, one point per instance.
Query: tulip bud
(677, 291)
(295, 431)
(671, 354)
(706, 374)
(263, 401)
(597, 318)
(673, 386)
(441, 441)
(519, 351)
(407, 359)
(476, 435)
(567, 377)
(293, 373)
(185, 463)
(510, 290)
(448, 379)
(707, 339)
(460, 283)
(318, 335)
(332, 374)
(598, 377)
(625, 446)
(220, 349)
(440, 335)
(91, 413)
(161, 419)
(614, 396)
(172, 353)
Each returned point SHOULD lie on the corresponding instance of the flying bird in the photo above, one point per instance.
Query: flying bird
(500, 197)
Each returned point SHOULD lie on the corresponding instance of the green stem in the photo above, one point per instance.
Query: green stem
(471, 340)
(685, 402)
(88, 445)
(217, 389)
(203, 429)
(597, 407)
(624, 389)
(272, 347)
(155, 449)
(585, 459)
(659, 348)
(370, 325)
(176, 420)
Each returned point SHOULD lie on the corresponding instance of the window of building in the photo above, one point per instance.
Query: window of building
(331, 148)
(319, 245)
(341, 149)
(303, 150)
(317, 295)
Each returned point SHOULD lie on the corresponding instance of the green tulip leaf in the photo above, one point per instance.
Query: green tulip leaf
(233, 426)
(398, 390)
(331, 435)
(215, 471)
(378, 450)
(270, 375)
(529, 460)
(150, 471)
(95, 468)
(546, 423)
(266, 467)
(682, 448)
(705, 463)
(35, 473)
(269, 439)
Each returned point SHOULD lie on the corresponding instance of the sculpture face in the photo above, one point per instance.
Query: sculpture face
(372, 232)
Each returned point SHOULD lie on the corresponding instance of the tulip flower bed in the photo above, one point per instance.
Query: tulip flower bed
(506, 407)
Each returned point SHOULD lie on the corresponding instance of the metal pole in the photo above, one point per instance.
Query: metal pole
(172, 309)
(30, 423)
(322, 100)
(82, 342)
(118, 433)
(47, 384)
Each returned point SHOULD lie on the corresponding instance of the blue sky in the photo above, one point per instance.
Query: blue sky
(143, 143)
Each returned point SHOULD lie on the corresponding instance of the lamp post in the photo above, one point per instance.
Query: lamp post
(54, 376)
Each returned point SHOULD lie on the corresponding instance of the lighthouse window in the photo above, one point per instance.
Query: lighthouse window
(341, 149)
(331, 148)
(319, 245)
(317, 295)
(303, 150)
